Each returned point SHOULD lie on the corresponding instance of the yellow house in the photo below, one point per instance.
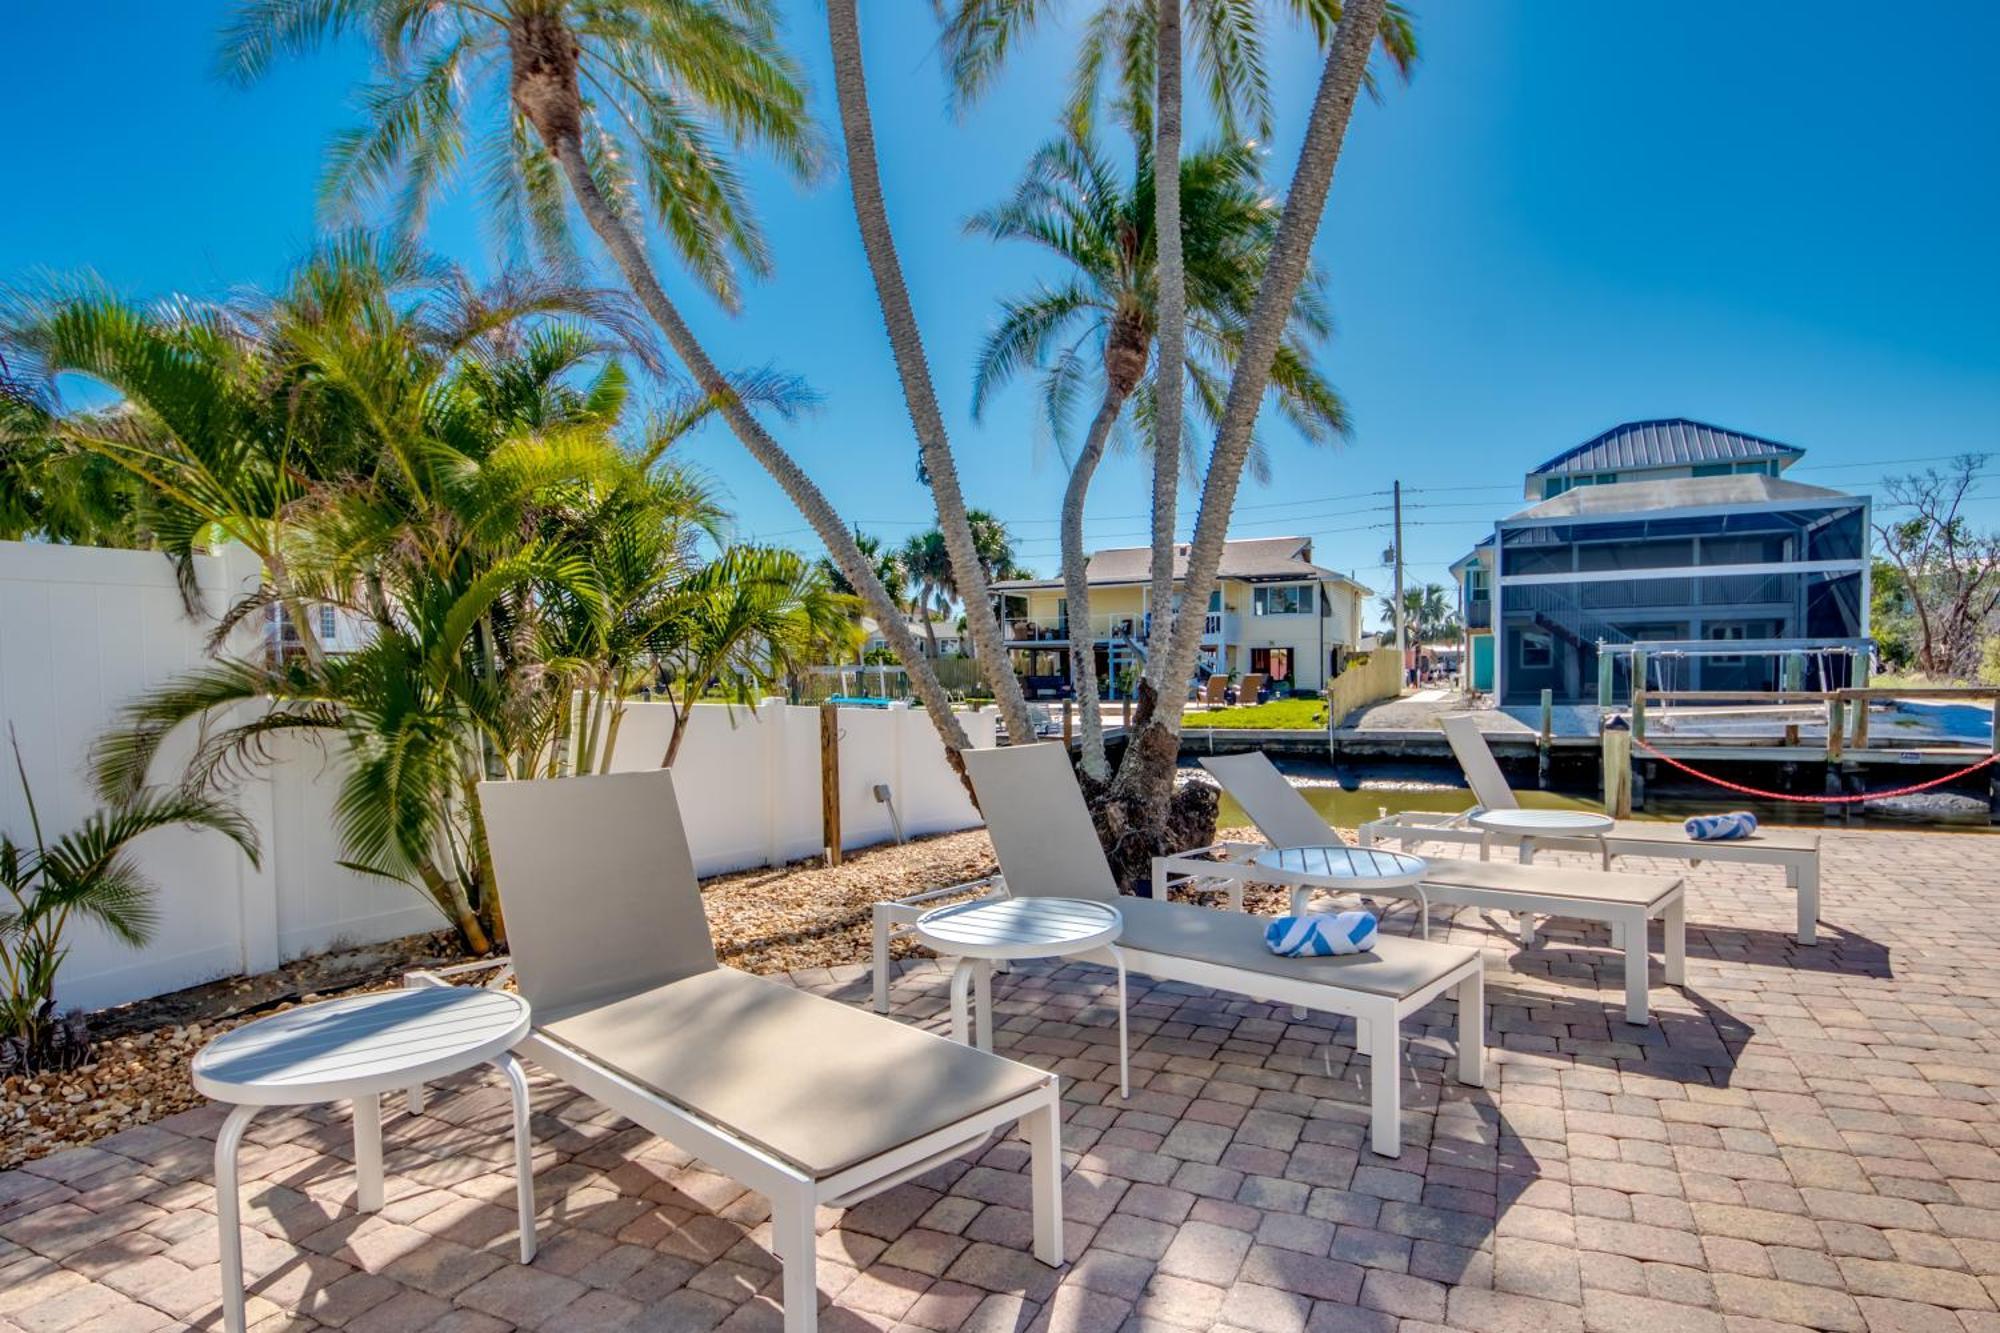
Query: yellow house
(1274, 612)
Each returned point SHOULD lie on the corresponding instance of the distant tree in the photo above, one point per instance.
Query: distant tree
(1427, 614)
(1950, 571)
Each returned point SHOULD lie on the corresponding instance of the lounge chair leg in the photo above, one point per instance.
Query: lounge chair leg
(1361, 1036)
(1617, 934)
(796, 1245)
(881, 958)
(1366, 835)
(1805, 878)
(524, 1152)
(1524, 926)
(1042, 1128)
(1673, 924)
(1385, 1081)
(1472, 1029)
(1637, 963)
(368, 1153)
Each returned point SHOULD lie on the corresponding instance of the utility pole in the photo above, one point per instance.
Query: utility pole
(1402, 642)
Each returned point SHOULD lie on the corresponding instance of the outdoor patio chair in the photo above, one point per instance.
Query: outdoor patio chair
(1215, 691)
(1796, 851)
(1047, 846)
(1625, 903)
(1252, 686)
(810, 1102)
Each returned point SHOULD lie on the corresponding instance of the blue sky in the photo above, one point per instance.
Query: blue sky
(1577, 214)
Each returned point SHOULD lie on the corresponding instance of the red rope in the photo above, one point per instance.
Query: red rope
(1815, 800)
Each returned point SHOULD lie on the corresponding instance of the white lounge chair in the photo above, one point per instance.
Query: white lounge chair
(1047, 846)
(1283, 815)
(806, 1100)
(1796, 851)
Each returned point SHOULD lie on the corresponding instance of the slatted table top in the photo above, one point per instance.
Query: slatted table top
(359, 1045)
(1020, 927)
(1352, 867)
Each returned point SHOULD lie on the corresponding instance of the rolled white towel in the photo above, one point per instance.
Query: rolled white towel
(1321, 934)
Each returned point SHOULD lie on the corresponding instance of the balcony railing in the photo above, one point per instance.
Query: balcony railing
(1217, 627)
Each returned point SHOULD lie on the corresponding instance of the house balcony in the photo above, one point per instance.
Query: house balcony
(1025, 631)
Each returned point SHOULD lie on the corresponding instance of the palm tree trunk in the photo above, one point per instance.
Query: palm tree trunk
(833, 532)
(1076, 588)
(982, 624)
(930, 630)
(1171, 315)
(1146, 774)
(681, 721)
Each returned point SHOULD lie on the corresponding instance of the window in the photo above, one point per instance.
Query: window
(1713, 469)
(1727, 633)
(1475, 583)
(1537, 651)
(1554, 486)
(1273, 664)
(328, 630)
(1290, 600)
(1214, 600)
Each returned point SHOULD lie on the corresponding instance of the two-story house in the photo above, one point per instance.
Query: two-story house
(1274, 612)
(1673, 534)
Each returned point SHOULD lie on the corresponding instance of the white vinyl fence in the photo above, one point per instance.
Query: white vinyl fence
(83, 631)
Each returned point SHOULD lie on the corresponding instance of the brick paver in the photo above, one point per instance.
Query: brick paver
(1804, 1138)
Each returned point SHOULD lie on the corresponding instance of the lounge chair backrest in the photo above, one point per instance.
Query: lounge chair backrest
(1489, 784)
(1040, 827)
(598, 887)
(1278, 809)
(1216, 689)
(1252, 686)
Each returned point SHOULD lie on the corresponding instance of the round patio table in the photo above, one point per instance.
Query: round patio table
(354, 1050)
(1345, 869)
(1528, 827)
(1010, 929)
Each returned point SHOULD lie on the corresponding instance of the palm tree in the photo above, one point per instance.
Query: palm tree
(1136, 46)
(936, 465)
(616, 102)
(1145, 777)
(743, 620)
(1427, 614)
(1072, 204)
(927, 567)
(477, 500)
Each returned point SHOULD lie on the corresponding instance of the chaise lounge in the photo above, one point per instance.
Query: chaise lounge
(1793, 850)
(1048, 847)
(1626, 903)
(808, 1101)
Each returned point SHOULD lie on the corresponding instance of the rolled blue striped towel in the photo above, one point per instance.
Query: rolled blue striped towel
(1319, 934)
(1721, 828)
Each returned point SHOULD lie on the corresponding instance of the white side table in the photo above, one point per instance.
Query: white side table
(1345, 869)
(1528, 827)
(355, 1050)
(979, 933)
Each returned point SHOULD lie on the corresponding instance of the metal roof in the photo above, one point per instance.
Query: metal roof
(1638, 497)
(1645, 444)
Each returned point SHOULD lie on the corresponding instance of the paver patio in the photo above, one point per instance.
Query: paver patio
(1806, 1137)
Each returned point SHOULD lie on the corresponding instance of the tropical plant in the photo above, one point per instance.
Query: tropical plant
(1428, 616)
(1097, 323)
(927, 567)
(742, 622)
(604, 98)
(83, 875)
(467, 478)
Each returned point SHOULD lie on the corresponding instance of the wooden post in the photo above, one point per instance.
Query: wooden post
(1795, 672)
(1861, 722)
(829, 780)
(1639, 694)
(1546, 739)
(1618, 772)
(1605, 663)
(1069, 721)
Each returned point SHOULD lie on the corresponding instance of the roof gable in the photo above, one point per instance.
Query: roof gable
(1664, 443)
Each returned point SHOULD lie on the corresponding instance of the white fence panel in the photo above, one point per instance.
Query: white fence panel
(84, 631)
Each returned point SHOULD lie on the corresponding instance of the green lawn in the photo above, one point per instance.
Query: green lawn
(1277, 715)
